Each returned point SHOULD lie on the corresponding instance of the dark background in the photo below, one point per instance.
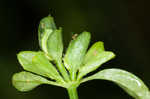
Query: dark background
(123, 25)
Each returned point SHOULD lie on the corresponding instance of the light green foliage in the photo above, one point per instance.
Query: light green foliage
(75, 53)
(46, 28)
(50, 40)
(129, 82)
(46, 24)
(68, 71)
(36, 62)
(26, 81)
(55, 45)
(94, 58)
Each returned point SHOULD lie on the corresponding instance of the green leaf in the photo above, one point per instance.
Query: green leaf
(55, 45)
(94, 58)
(76, 51)
(129, 82)
(95, 50)
(46, 28)
(46, 24)
(25, 81)
(55, 50)
(36, 62)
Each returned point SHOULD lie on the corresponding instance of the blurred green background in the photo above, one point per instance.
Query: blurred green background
(123, 25)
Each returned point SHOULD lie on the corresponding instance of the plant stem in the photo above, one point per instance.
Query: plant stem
(72, 91)
(63, 71)
(73, 75)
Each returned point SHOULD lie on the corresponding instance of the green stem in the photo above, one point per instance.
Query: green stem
(72, 91)
(73, 75)
(63, 71)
